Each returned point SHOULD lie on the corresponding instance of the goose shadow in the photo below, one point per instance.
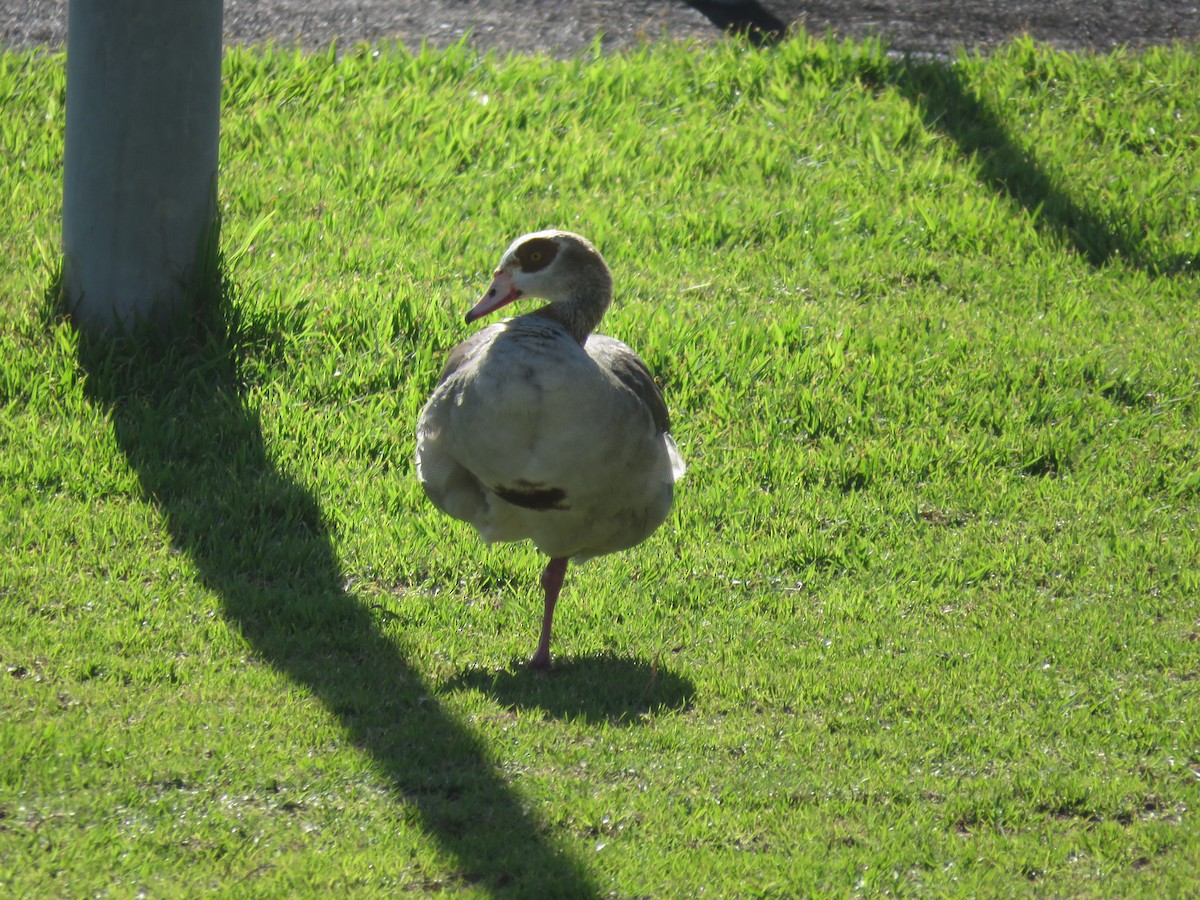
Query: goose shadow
(949, 105)
(261, 542)
(601, 688)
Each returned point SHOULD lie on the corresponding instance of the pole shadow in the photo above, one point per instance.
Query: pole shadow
(261, 542)
(949, 105)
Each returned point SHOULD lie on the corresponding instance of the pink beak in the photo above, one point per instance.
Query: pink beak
(501, 292)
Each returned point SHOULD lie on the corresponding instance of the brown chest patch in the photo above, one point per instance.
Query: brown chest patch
(529, 495)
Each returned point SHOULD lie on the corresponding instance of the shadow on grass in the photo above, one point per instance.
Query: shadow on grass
(949, 105)
(601, 688)
(261, 542)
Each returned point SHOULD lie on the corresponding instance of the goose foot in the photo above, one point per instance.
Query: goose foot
(552, 582)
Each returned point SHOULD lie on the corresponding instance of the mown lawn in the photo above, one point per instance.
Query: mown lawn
(926, 619)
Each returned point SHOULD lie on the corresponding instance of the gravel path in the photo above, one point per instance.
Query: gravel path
(566, 26)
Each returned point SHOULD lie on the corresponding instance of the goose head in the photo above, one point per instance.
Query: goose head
(559, 267)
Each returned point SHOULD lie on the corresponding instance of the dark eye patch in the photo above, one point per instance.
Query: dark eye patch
(537, 253)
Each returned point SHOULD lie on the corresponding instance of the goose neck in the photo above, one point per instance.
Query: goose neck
(581, 313)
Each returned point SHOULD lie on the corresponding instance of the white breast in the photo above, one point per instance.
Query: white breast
(531, 437)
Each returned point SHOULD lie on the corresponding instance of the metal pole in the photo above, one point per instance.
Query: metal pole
(140, 162)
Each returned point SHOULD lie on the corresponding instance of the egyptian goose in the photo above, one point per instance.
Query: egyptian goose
(541, 430)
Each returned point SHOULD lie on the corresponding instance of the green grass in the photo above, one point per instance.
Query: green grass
(924, 621)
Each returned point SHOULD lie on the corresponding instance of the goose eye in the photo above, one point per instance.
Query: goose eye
(535, 254)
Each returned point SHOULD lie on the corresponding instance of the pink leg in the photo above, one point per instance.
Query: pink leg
(552, 582)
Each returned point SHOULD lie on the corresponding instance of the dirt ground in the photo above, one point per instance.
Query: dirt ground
(565, 26)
